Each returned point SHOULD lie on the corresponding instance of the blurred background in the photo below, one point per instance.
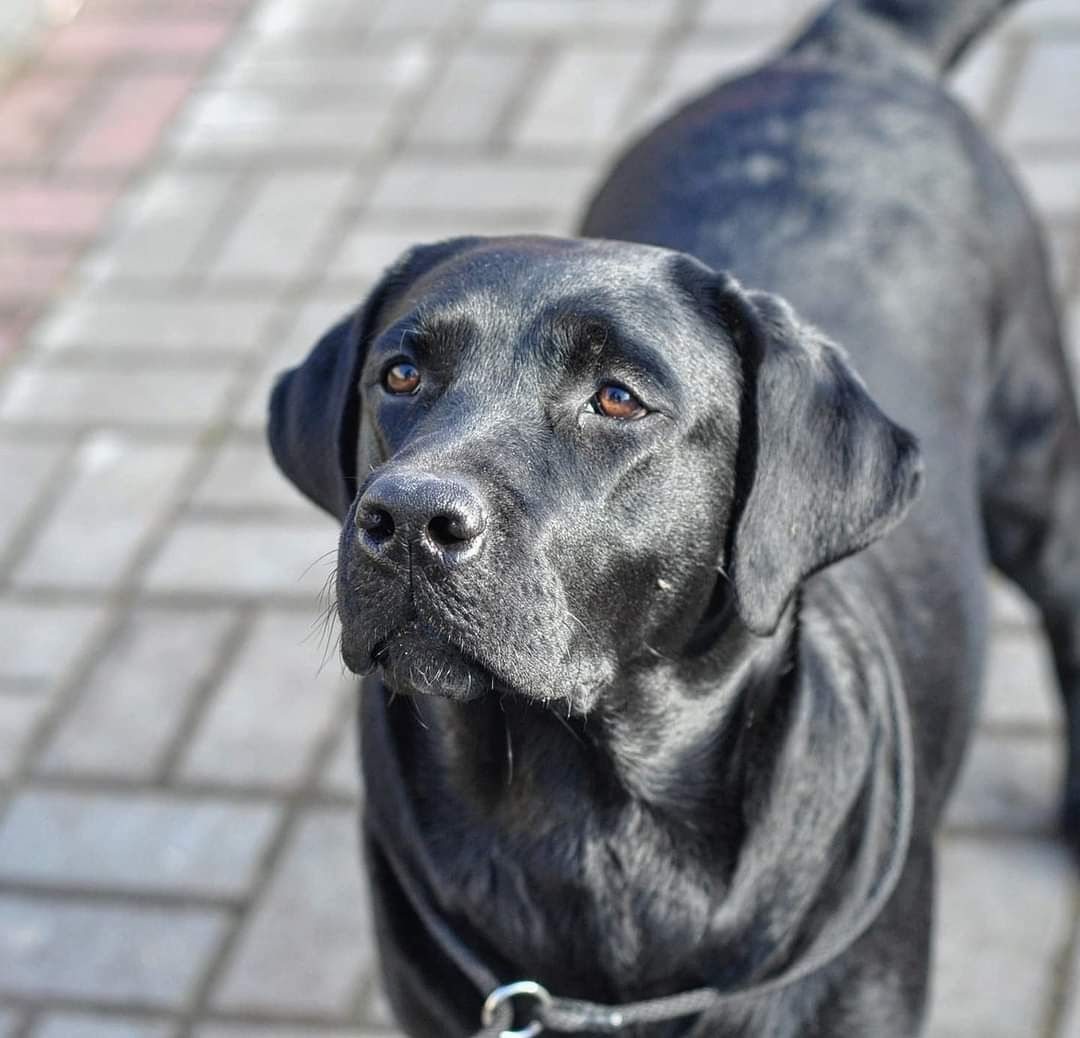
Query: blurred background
(190, 191)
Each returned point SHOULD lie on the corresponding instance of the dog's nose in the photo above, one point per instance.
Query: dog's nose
(444, 518)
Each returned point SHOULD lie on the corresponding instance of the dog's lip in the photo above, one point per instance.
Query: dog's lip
(378, 657)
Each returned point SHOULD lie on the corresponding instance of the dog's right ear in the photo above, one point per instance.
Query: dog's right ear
(315, 407)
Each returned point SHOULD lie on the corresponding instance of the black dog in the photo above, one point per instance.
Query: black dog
(665, 695)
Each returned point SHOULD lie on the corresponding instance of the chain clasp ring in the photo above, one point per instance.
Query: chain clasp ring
(519, 989)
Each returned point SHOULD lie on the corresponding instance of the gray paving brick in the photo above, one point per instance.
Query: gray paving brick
(341, 776)
(55, 395)
(574, 19)
(1046, 14)
(309, 320)
(138, 694)
(379, 73)
(318, 312)
(80, 1025)
(378, 1008)
(778, 15)
(372, 246)
(273, 709)
(288, 215)
(244, 559)
(134, 842)
(1070, 1024)
(190, 324)
(164, 226)
(1010, 783)
(269, 1031)
(411, 17)
(1009, 606)
(107, 953)
(466, 104)
(242, 124)
(1019, 682)
(581, 98)
(695, 67)
(286, 19)
(26, 469)
(1003, 921)
(19, 715)
(368, 250)
(119, 489)
(38, 642)
(1052, 183)
(315, 900)
(979, 76)
(243, 476)
(485, 185)
(1046, 106)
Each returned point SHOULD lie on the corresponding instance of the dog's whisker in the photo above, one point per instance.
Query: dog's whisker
(581, 623)
(509, 750)
(419, 716)
(565, 722)
(311, 565)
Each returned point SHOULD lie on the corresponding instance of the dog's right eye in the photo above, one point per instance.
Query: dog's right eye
(401, 378)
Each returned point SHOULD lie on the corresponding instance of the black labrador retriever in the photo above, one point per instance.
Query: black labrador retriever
(673, 637)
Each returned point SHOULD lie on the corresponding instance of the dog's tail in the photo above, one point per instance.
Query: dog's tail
(939, 30)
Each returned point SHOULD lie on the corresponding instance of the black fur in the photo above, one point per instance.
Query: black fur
(624, 717)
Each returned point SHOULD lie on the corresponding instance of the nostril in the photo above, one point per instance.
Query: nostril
(377, 523)
(453, 529)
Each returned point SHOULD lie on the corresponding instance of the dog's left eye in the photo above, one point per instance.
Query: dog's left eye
(401, 378)
(618, 402)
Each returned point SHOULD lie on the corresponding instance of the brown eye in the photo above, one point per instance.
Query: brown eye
(402, 378)
(617, 402)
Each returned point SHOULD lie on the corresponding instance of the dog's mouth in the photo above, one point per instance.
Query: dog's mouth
(461, 640)
(416, 659)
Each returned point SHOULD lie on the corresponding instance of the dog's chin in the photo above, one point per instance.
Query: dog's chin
(415, 660)
(418, 658)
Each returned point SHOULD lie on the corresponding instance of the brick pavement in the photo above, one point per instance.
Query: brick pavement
(177, 787)
(78, 124)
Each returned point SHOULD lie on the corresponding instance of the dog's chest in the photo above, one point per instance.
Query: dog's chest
(581, 899)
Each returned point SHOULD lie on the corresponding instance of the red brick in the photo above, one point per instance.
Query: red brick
(99, 40)
(31, 110)
(31, 276)
(33, 208)
(126, 126)
(11, 332)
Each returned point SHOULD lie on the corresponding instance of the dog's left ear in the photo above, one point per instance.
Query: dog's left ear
(822, 471)
(315, 407)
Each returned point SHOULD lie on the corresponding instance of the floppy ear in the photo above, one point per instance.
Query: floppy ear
(823, 472)
(315, 407)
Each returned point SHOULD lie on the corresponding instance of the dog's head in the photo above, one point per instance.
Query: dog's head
(557, 459)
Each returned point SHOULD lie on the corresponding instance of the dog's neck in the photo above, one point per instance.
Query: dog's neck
(674, 838)
(671, 738)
